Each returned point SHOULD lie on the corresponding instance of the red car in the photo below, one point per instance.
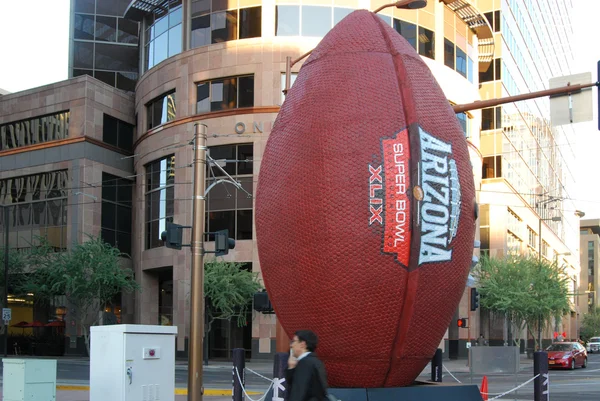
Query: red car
(566, 355)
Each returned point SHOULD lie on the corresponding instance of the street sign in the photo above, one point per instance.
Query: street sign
(6, 314)
(575, 107)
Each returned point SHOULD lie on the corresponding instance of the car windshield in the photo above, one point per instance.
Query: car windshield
(560, 347)
(595, 340)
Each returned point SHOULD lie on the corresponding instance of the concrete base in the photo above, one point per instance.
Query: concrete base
(419, 391)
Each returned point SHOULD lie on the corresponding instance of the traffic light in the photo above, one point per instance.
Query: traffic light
(474, 299)
(262, 303)
(173, 237)
(223, 243)
(462, 323)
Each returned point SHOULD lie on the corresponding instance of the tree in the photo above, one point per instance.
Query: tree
(590, 325)
(89, 275)
(525, 289)
(228, 291)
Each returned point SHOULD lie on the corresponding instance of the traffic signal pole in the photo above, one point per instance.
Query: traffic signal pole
(482, 104)
(195, 349)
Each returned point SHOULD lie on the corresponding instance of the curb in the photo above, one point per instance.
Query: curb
(209, 392)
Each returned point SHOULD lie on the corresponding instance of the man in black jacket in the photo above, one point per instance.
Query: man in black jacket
(305, 376)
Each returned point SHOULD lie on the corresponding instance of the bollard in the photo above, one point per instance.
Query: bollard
(279, 384)
(436, 366)
(239, 362)
(541, 384)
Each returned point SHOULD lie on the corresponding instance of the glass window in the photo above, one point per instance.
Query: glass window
(117, 133)
(426, 43)
(127, 31)
(246, 91)
(316, 21)
(488, 75)
(38, 208)
(497, 22)
(201, 31)
(111, 7)
(200, 7)
(287, 20)
(127, 80)
(161, 110)
(448, 53)
(164, 35)
(407, 30)
(461, 62)
(340, 13)
(116, 57)
(83, 27)
(106, 29)
(487, 119)
(250, 22)
(34, 130)
(160, 198)
(203, 97)
(85, 6)
(225, 93)
(77, 72)
(227, 207)
(223, 26)
(470, 72)
(107, 77)
(161, 48)
(175, 40)
(462, 119)
(498, 69)
(83, 54)
(116, 220)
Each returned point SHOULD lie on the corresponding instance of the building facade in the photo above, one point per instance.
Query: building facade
(103, 44)
(590, 261)
(64, 174)
(528, 178)
(222, 64)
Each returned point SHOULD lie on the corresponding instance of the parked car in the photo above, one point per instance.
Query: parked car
(593, 345)
(566, 355)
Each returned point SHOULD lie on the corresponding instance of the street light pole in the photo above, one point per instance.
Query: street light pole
(558, 218)
(195, 349)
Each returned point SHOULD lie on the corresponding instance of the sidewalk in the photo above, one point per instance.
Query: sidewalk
(78, 390)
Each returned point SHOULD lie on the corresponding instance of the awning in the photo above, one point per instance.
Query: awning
(138, 9)
(479, 24)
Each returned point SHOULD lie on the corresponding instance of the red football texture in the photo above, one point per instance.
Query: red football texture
(365, 206)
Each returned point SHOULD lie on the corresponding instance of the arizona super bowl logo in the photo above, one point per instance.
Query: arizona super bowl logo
(434, 197)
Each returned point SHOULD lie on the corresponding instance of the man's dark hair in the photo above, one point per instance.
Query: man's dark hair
(309, 338)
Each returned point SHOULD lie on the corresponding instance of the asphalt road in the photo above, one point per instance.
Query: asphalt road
(565, 385)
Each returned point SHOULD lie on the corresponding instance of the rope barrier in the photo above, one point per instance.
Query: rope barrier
(498, 395)
(259, 375)
(451, 374)
(244, 389)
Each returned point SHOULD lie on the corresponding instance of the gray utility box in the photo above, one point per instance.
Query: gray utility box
(29, 379)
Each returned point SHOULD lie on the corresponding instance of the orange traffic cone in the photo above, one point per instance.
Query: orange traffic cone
(484, 389)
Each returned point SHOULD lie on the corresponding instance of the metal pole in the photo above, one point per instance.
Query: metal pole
(195, 350)
(239, 374)
(540, 259)
(6, 218)
(436, 366)
(481, 104)
(541, 385)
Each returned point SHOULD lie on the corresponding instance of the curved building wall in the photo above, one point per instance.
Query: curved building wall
(234, 87)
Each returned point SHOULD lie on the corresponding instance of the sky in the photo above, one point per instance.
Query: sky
(34, 45)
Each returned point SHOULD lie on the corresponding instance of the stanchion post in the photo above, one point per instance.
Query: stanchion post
(436, 366)
(279, 367)
(541, 384)
(239, 364)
